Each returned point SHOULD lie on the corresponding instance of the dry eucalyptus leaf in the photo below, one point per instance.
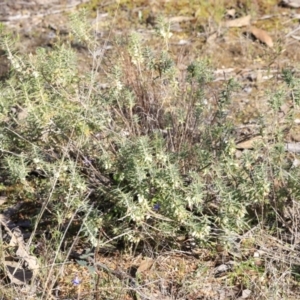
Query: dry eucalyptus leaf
(239, 22)
(22, 251)
(249, 144)
(230, 12)
(31, 260)
(246, 294)
(18, 241)
(179, 19)
(262, 36)
(291, 3)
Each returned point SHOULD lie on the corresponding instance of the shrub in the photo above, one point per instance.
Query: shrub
(150, 157)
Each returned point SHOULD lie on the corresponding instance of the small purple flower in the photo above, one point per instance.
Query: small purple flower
(76, 281)
(156, 206)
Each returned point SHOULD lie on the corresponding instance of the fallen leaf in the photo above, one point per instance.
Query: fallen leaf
(230, 12)
(239, 22)
(249, 144)
(15, 270)
(32, 262)
(262, 36)
(291, 3)
(246, 294)
(179, 19)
